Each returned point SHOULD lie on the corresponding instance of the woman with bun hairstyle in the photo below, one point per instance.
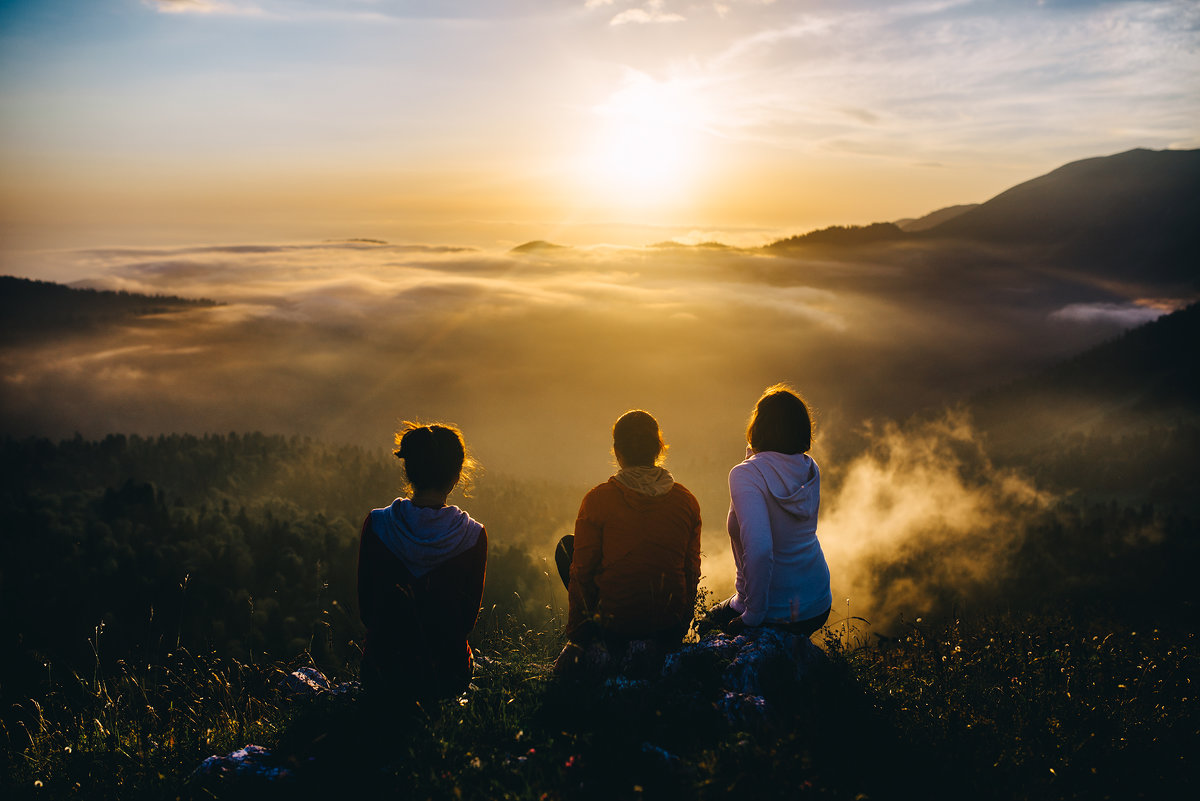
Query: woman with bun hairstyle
(421, 568)
(782, 577)
(633, 564)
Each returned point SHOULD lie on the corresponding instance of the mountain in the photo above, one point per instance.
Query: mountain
(841, 236)
(39, 308)
(537, 246)
(933, 218)
(1132, 399)
(1130, 216)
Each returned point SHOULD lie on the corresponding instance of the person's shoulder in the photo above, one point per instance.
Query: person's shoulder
(684, 495)
(744, 470)
(606, 490)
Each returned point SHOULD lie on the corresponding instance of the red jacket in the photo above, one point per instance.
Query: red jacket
(637, 561)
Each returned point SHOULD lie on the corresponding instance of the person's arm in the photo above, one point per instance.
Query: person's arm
(691, 567)
(582, 593)
(474, 579)
(366, 576)
(749, 507)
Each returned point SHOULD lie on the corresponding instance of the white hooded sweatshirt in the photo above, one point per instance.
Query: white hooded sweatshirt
(782, 575)
(424, 538)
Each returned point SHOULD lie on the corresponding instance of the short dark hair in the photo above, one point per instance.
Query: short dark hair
(434, 454)
(781, 422)
(637, 440)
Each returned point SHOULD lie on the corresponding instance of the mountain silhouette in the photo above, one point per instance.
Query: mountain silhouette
(1132, 216)
(841, 236)
(1148, 377)
(933, 218)
(32, 309)
(537, 246)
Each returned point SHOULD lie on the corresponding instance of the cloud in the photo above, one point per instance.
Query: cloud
(1124, 315)
(653, 13)
(204, 7)
(939, 81)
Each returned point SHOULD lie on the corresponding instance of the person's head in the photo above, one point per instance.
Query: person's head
(435, 455)
(637, 442)
(781, 422)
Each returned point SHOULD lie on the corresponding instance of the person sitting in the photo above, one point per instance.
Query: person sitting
(633, 564)
(782, 576)
(421, 568)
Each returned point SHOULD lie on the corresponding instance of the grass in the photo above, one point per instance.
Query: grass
(999, 707)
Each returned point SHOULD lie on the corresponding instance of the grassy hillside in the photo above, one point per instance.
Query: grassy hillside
(157, 620)
(1033, 707)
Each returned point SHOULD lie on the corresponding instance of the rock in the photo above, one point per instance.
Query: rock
(252, 763)
(307, 683)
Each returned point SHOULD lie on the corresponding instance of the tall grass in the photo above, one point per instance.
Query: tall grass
(998, 707)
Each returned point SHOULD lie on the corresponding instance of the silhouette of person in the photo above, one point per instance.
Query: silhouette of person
(633, 564)
(421, 567)
(782, 577)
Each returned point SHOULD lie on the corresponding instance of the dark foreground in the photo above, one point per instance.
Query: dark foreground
(1000, 707)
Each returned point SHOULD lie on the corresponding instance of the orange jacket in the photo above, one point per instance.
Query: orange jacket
(637, 561)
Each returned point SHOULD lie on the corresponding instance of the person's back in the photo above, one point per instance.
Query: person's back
(420, 576)
(632, 566)
(641, 553)
(774, 496)
(782, 575)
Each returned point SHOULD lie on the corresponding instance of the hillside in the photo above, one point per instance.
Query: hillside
(39, 308)
(841, 236)
(1119, 420)
(1150, 374)
(1130, 216)
(934, 218)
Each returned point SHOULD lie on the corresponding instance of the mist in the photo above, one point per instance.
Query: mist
(534, 355)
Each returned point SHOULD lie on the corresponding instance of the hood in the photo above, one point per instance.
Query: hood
(652, 481)
(636, 498)
(793, 479)
(424, 538)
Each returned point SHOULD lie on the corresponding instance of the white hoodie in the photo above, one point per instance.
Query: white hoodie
(782, 575)
(424, 538)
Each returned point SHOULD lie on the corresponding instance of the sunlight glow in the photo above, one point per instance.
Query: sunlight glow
(648, 148)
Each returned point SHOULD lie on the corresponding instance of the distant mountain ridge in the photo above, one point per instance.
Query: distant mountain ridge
(1133, 214)
(29, 307)
(1147, 377)
(842, 235)
(934, 218)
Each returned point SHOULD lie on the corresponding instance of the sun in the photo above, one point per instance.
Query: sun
(647, 146)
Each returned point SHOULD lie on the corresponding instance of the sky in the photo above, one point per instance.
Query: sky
(486, 123)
